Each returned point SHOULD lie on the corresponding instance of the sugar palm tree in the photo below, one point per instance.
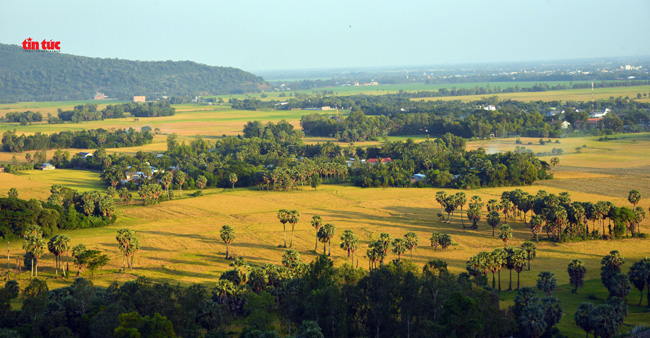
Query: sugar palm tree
(411, 239)
(440, 198)
(532, 321)
(505, 233)
(35, 245)
(634, 197)
(493, 220)
(349, 243)
(461, 199)
(293, 217)
(180, 179)
(233, 180)
(227, 234)
(577, 271)
(546, 282)
(531, 251)
(519, 262)
(283, 217)
(385, 239)
(498, 260)
(129, 244)
(291, 259)
(325, 235)
(58, 245)
(583, 317)
(399, 247)
(316, 222)
(536, 222)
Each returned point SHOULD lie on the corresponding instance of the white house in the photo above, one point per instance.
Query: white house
(490, 107)
(565, 124)
(600, 113)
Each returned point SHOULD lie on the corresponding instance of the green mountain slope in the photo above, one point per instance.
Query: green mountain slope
(43, 76)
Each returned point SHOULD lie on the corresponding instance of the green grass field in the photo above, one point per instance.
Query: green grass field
(180, 238)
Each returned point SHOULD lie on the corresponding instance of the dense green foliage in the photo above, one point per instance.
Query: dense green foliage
(394, 300)
(59, 76)
(24, 117)
(82, 139)
(65, 209)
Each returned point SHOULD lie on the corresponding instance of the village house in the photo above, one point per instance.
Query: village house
(47, 166)
(85, 155)
(139, 99)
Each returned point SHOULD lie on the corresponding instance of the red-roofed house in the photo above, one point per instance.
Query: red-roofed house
(386, 160)
(372, 161)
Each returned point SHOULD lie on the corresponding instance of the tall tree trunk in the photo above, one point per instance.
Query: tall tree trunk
(32, 273)
(493, 281)
(284, 230)
(510, 281)
(124, 267)
(462, 219)
(411, 253)
(499, 273)
(528, 262)
(316, 246)
(517, 279)
(324, 249)
(292, 228)
(329, 245)
(56, 266)
(348, 259)
(227, 250)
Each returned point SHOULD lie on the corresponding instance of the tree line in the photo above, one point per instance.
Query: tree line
(82, 139)
(88, 111)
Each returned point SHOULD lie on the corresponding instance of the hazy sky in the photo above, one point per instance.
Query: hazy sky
(303, 34)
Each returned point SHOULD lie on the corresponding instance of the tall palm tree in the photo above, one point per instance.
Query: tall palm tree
(461, 199)
(510, 263)
(227, 234)
(411, 239)
(519, 262)
(283, 217)
(180, 179)
(349, 243)
(233, 180)
(399, 247)
(316, 222)
(441, 196)
(493, 220)
(385, 239)
(129, 244)
(583, 317)
(59, 245)
(531, 251)
(536, 222)
(35, 245)
(325, 235)
(532, 320)
(498, 257)
(293, 217)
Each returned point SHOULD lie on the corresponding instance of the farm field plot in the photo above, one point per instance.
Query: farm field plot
(582, 94)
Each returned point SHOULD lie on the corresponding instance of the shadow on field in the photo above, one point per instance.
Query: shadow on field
(181, 261)
(204, 239)
(177, 272)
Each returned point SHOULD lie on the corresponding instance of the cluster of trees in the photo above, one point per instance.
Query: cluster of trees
(561, 218)
(507, 258)
(31, 77)
(24, 117)
(354, 128)
(82, 139)
(446, 164)
(64, 209)
(88, 112)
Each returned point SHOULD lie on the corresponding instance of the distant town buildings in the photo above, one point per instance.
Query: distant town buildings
(139, 99)
(490, 107)
(100, 96)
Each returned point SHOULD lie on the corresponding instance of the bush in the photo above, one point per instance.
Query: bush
(198, 193)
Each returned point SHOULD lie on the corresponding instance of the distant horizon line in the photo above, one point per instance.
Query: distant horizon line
(403, 67)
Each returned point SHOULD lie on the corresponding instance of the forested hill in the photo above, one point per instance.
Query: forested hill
(44, 76)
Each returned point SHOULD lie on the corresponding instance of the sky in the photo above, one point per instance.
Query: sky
(258, 35)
